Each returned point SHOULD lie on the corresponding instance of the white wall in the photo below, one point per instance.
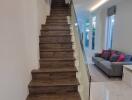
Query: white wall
(123, 28)
(100, 30)
(19, 31)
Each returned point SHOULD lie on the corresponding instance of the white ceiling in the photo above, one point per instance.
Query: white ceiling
(87, 4)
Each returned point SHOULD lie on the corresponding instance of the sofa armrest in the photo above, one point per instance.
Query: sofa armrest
(117, 67)
(97, 54)
(121, 63)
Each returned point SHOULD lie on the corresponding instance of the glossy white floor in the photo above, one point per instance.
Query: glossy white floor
(113, 90)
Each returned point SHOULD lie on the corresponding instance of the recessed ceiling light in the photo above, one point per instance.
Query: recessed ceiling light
(98, 5)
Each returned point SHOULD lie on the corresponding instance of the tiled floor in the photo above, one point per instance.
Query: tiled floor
(105, 88)
(116, 90)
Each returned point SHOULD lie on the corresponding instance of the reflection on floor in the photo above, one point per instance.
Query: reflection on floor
(116, 90)
(98, 76)
(105, 88)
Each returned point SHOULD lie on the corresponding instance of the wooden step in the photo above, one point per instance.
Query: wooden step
(51, 86)
(56, 50)
(57, 63)
(55, 33)
(54, 27)
(60, 15)
(54, 73)
(59, 5)
(56, 54)
(71, 96)
(56, 24)
(53, 7)
(65, 45)
(60, 11)
(55, 39)
(56, 18)
(56, 21)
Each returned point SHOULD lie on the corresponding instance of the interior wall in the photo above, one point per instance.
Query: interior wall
(100, 30)
(19, 32)
(122, 31)
(122, 37)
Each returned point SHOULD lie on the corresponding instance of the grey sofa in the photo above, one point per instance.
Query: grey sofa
(112, 69)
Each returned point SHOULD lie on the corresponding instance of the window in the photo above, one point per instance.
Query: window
(93, 32)
(110, 27)
(87, 30)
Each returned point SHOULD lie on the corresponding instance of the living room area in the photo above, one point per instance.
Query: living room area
(106, 35)
(109, 51)
(109, 40)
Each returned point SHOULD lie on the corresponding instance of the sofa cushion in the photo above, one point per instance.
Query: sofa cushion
(106, 54)
(114, 58)
(128, 58)
(106, 64)
(121, 58)
(98, 59)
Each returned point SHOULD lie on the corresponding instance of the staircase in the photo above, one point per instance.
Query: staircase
(56, 78)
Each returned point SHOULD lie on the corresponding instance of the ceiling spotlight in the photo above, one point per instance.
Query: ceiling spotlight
(98, 5)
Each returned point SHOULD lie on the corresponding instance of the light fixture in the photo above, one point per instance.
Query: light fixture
(76, 24)
(87, 30)
(98, 5)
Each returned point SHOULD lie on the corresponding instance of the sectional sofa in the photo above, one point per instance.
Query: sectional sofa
(112, 69)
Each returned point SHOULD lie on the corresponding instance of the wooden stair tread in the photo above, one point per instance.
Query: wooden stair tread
(62, 82)
(66, 96)
(57, 50)
(44, 70)
(55, 35)
(57, 59)
(56, 42)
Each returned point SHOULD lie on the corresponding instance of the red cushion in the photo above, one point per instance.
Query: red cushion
(121, 58)
(112, 53)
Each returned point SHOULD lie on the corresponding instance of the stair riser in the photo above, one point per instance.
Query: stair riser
(52, 89)
(57, 64)
(60, 11)
(55, 46)
(58, 2)
(56, 24)
(43, 33)
(58, 5)
(59, 8)
(56, 18)
(56, 54)
(57, 21)
(54, 76)
(60, 15)
(56, 28)
(55, 39)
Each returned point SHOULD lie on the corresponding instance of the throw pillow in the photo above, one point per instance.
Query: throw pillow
(114, 58)
(106, 54)
(128, 58)
(121, 58)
